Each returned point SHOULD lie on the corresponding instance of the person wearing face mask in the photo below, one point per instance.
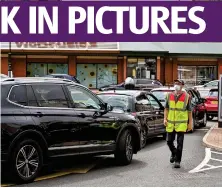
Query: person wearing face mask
(177, 120)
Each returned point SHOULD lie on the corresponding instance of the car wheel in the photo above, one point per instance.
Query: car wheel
(26, 161)
(209, 117)
(204, 120)
(143, 137)
(124, 152)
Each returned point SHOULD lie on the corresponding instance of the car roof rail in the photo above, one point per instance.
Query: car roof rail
(7, 79)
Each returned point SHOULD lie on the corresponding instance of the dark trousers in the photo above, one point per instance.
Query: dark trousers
(177, 152)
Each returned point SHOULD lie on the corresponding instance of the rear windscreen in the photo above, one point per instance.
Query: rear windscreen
(213, 94)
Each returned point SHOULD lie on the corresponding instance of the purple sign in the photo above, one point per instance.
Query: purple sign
(114, 21)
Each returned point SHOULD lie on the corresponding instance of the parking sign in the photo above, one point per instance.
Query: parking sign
(220, 102)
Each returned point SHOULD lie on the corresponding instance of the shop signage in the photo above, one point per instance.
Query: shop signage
(220, 102)
(61, 45)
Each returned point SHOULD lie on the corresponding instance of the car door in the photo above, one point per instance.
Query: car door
(200, 107)
(97, 129)
(50, 110)
(145, 114)
(159, 113)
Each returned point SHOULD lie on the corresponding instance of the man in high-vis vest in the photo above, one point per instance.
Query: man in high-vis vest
(177, 120)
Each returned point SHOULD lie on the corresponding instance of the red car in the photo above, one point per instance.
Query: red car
(212, 104)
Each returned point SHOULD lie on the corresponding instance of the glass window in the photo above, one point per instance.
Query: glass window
(213, 93)
(197, 75)
(153, 101)
(141, 67)
(57, 68)
(42, 69)
(122, 102)
(18, 95)
(97, 75)
(81, 98)
(50, 96)
(143, 104)
(31, 97)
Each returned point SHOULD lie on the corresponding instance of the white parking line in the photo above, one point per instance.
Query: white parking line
(205, 164)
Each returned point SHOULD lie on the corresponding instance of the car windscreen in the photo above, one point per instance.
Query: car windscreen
(204, 93)
(122, 102)
(161, 95)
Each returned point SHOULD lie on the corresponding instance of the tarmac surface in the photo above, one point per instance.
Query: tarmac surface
(150, 167)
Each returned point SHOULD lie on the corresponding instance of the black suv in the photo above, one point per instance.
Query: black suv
(47, 117)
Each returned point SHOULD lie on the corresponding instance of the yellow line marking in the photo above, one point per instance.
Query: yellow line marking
(6, 185)
(62, 172)
(66, 172)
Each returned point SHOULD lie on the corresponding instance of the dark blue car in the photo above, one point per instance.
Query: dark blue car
(64, 76)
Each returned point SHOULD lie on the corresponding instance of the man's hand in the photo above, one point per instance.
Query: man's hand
(165, 122)
(189, 127)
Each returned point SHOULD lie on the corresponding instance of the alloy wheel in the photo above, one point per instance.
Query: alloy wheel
(129, 147)
(27, 161)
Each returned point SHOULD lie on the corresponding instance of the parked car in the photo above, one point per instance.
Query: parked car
(64, 76)
(43, 118)
(203, 81)
(143, 105)
(207, 86)
(112, 87)
(212, 104)
(197, 103)
(147, 84)
(140, 84)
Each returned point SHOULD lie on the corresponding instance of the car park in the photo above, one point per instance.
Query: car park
(44, 118)
(143, 105)
(197, 103)
(211, 104)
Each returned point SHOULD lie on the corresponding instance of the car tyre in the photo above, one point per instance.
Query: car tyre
(124, 152)
(143, 137)
(26, 161)
(204, 120)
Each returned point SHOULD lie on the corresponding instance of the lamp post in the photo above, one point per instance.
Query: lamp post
(10, 62)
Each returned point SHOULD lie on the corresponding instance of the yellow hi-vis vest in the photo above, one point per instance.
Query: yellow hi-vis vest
(177, 115)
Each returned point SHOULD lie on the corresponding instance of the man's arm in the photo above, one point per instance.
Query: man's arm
(166, 110)
(190, 116)
(165, 116)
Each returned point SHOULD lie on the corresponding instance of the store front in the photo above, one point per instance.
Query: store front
(94, 64)
(142, 67)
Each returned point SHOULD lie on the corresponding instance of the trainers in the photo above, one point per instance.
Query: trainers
(172, 159)
(177, 165)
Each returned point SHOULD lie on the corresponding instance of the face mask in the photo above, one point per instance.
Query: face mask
(177, 87)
